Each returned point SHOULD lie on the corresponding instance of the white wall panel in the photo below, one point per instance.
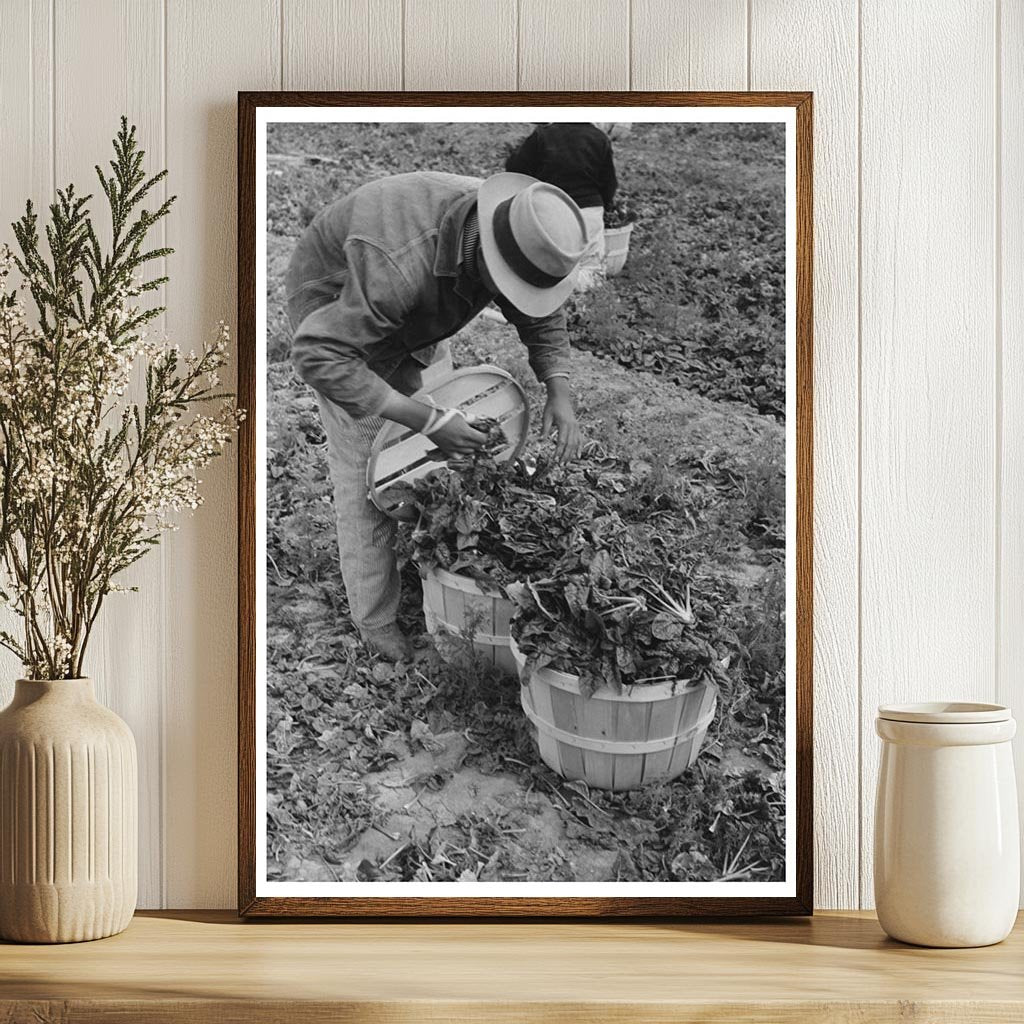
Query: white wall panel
(26, 107)
(126, 653)
(928, 412)
(919, 111)
(26, 169)
(214, 50)
(696, 44)
(460, 44)
(342, 44)
(780, 59)
(574, 44)
(1010, 370)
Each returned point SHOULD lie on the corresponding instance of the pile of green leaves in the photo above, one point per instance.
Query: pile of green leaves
(494, 522)
(502, 522)
(620, 213)
(623, 610)
(590, 552)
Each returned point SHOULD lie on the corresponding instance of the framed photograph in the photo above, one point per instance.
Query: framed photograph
(525, 504)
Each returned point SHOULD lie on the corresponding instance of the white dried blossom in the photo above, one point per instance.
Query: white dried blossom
(103, 428)
(94, 463)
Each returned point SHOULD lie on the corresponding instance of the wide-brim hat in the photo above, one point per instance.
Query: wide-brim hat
(532, 236)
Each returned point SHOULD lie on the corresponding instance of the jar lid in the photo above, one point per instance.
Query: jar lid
(945, 713)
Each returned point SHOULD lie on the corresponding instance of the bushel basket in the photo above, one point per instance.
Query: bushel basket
(400, 455)
(457, 606)
(616, 741)
(616, 248)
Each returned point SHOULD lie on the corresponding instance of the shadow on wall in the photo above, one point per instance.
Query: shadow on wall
(200, 560)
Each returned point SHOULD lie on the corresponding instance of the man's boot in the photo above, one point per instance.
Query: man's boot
(389, 642)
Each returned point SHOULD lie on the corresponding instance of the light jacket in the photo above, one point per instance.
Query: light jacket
(378, 278)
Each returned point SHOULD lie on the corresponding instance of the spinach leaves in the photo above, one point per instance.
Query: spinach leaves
(593, 553)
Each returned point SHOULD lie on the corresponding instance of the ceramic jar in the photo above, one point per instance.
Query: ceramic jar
(947, 847)
(68, 815)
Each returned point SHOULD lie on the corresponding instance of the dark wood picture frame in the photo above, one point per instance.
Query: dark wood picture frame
(371, 906)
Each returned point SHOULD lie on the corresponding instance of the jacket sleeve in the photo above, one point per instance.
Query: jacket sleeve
(546, 339)
(609, 181)
(329, 345)
(526, 159)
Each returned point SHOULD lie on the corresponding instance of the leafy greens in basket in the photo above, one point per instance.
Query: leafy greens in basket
(590, 552)
(623, 610)
(501, 522)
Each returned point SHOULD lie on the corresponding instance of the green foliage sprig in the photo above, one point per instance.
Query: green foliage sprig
(89, 477)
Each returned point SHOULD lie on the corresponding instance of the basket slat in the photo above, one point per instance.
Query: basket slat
(596, 720)
(502, 618)
(550, 748)
(632, 722)
(570, 758)
(693, 711)
(503, 660)
(433, 595)
(682, 754)
(666, 716)
(455, 607)
(657, 764)
(454, 604)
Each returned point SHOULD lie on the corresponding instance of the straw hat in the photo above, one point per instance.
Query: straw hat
(532, 236)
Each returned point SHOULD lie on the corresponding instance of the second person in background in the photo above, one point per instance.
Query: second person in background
(577, 157)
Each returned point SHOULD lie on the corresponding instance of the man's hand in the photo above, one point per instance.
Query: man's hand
(559, 415)
(457, 437)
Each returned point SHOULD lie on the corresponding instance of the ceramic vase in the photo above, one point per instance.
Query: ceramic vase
(68, 815)
(947, 847)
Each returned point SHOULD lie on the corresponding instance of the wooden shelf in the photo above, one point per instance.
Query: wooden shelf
(210, 967)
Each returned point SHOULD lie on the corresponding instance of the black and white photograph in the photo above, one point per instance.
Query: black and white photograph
(525, 503)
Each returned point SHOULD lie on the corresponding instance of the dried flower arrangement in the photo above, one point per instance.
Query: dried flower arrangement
(89, 475)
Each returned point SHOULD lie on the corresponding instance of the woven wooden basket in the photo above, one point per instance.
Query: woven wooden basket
(616, 741)
(456, 605)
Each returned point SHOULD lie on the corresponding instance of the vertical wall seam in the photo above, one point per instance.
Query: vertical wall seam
(750, 19)
(860, 456)
(519, 55)
(402, 41)
(689, 47)
(629, 44)
(161, 710)
(997, 170)
(280, 43)
(53, 97)
(33, 155)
